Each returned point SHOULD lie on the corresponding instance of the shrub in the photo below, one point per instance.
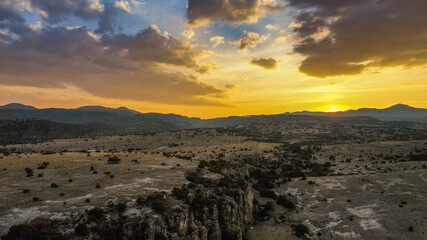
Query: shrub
(301, 230)
(29, 172)
(157, 202)
(269, 206)
(54, 185)
(37, 229)
(285, 202)
(114, 160)
(262, 216)
(213, 166)
(158, 205)
(267, 194)
(121, 207)
(265, 183)
(160, 236)
(200, 203)
(180, 193)
(95, 214)
(26, 191)
(81, 230)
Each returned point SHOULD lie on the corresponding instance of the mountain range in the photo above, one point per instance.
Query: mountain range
(124, 118)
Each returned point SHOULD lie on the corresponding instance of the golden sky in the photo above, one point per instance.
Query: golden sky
(204, 59)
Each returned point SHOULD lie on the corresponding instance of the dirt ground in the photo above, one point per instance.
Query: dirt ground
(373, 191)
(155, 163)
(373, 196)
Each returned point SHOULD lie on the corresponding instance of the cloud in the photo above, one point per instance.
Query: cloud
(231, 86)
(133, 67)
(152, 45)
(188, 34)
(271, 27)
(206, 67)
(345, 37)
(280, 39)
(251, 40)
(283, 31)
(5, 38)
(107, 20)
(123, 5)
(10, 10)
(266, 63)
(217, 40)
(55, 11)
(203, 12)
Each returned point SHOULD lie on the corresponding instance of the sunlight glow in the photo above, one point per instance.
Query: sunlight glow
(333, 109)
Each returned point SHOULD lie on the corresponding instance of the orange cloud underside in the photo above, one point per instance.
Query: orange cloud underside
(250, 95)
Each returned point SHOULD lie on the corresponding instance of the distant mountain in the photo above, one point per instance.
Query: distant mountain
(33, 130)
(105, 109)
(398, 112)
(125, 121)
(17, 106)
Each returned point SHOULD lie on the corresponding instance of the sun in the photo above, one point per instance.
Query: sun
(329, 108)
(333, 109)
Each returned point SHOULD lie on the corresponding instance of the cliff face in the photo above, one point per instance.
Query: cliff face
(218, 203)
(209, 208)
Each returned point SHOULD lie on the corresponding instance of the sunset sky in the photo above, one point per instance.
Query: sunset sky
(214, 58)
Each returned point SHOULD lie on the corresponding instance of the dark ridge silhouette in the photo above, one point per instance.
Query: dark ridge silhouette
(127, 121)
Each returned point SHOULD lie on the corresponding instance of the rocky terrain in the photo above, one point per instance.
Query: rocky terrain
(303, 178)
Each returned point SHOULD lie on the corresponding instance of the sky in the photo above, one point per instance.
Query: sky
(214, 58)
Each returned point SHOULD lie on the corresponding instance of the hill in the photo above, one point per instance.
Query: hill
(126, 121)
(33, 130)
(398, 112)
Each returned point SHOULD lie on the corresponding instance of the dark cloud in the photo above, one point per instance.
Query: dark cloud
(115, 66)
(267, 63)
(108, 18)
(202, 12)
(151, 45)
(343, 37)
(5, 38)
(251, 40)
(55, 11)
(9, 10)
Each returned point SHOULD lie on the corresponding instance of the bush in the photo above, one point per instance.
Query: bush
(158, 205)
(160, 236)
(29, 172)
(301, 230)
(121, 207)
(81, 230)
(285, 202)
(268, 194)
(213, 166)
(269, 206)
(54, 185)
(114, 160)
(37, 229)
(262, 216)
(180, 193)
(95, 214)
(265, 183)
(156, 200)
